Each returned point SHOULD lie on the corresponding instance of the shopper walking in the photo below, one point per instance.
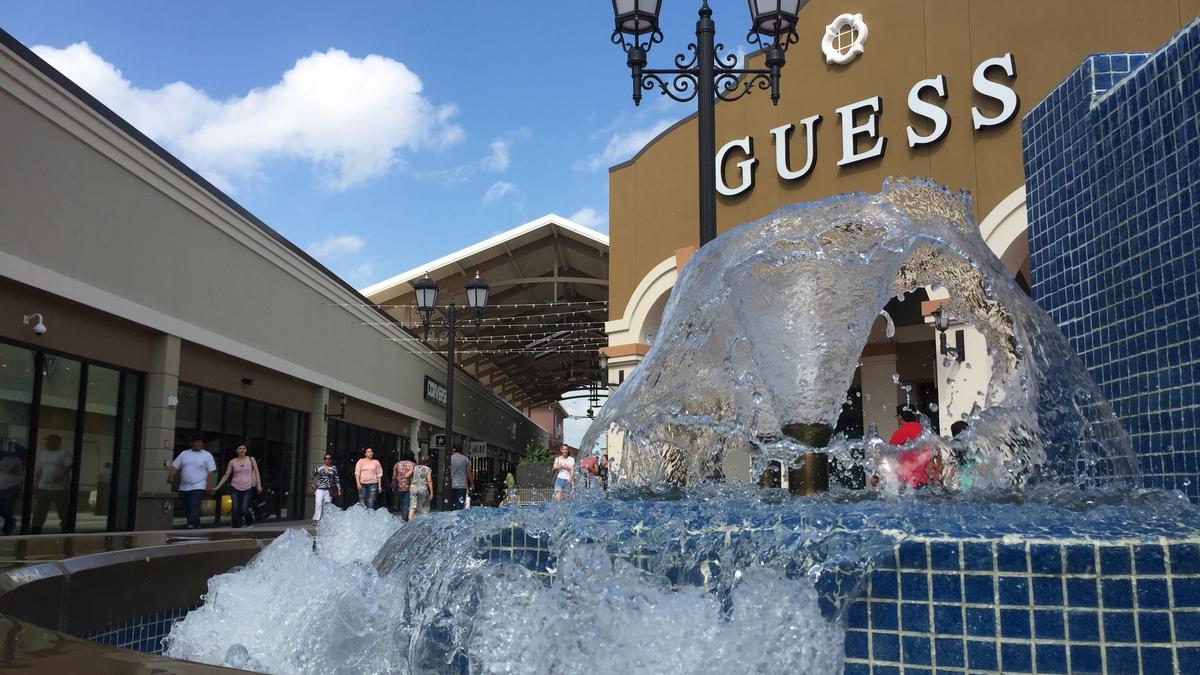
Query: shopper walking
(326, 485)
(420, 489)
(52, 482)
(195, 469)
(564, 465)
(462, 479)
(242, 475)
(368, 478)
(401, 480)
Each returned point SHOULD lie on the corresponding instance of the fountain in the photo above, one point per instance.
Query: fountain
(675, 572)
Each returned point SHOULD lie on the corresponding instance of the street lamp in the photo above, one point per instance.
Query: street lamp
(477, 296)
(707, 75)
(941, 321)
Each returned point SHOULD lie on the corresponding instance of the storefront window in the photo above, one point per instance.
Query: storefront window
(346, 443)
(54, 461)
(16, 410)
(94, 496)
(274, 437)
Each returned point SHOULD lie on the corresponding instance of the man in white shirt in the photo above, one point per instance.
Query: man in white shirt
(196, 469)
(51, 482)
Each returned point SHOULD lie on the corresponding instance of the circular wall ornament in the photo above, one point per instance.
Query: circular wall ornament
(844, 39)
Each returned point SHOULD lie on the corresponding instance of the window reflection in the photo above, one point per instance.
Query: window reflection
(54, 456)
(16, 408)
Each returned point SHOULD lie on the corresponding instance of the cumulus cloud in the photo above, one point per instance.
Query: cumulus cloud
(622, 146)
(335, 246)
(589, 217)
(500, 189)
(350, 118)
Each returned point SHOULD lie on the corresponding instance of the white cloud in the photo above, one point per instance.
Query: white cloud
(622, 146)
(497, 160)
(335, 246)
(362, 276)
(499, 189)
(350, 118)
(589, 217)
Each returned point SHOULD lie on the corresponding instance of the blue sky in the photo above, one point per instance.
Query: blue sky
(376, 135)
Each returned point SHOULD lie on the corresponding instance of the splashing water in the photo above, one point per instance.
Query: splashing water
(760, 339)
(764, 329)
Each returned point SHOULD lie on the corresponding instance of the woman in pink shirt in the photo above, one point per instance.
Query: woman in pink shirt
(242, 474)
(368, 476)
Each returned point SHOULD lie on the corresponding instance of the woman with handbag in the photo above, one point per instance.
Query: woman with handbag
(401, 477)
(242, 474)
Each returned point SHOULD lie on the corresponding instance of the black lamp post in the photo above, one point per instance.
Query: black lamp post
(707, 75)
(477, 297)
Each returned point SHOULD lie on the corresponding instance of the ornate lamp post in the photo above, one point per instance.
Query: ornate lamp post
(707, 75)
(477, 298)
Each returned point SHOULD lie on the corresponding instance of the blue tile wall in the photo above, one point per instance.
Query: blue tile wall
(143, 633)
(1112, 166)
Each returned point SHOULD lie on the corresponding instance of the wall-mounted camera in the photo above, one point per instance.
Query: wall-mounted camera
(39, 327)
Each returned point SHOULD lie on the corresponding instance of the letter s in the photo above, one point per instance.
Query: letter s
(941, 121)
(1000, 92)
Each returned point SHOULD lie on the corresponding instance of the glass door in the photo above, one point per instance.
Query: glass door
(17, 369)
(57, 423)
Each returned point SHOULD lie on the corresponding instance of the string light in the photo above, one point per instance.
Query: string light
(520, 305)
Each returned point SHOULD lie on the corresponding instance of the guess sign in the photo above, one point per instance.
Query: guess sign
(860, 122)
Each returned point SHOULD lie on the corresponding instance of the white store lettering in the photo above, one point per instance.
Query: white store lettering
(859, 124)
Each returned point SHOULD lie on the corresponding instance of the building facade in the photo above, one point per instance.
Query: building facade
(935, 89)
(139, 306)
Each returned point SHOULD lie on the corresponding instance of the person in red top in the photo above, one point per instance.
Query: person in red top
(913, 463)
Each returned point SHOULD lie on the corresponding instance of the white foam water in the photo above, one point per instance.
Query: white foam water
(318, 605)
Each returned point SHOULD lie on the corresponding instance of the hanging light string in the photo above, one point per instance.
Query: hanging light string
(519, 305)
(550, 351)
(541, 315)
(518, 324)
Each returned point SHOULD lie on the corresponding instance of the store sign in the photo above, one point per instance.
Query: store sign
(859, 124)
(435, 391)
(477, 449)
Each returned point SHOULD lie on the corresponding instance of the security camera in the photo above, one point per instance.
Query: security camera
(39, 328)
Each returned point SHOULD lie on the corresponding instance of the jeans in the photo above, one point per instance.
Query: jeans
(403, 500)
(191, 500)
(458, 498)
(241, 506)
(367, 493)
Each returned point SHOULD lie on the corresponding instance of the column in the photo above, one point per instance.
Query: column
(414, 436)
(962, 384)
(880, 393)
(155, 500)
(318, 432)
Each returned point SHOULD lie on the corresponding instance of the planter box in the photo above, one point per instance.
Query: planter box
(535, 476)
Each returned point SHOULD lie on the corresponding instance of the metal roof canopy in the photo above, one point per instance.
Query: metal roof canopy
(544, 325)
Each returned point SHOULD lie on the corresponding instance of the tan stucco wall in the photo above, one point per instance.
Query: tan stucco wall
(89, 214)
(653, 208)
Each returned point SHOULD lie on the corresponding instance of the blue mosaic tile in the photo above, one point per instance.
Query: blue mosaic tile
(1150, 559)
(1123, 660)
(947, 619)
(1157, 660)
(884, 585)
(1119, 626)
(1014, 591)
(1085, 659)
(916, 650)
(1186, 592)
(1048, 624)
(977, 556)
(1115, 560)
(856, 644)
(914, 617)
(1185, 558)
(981, 622)
(1051, 659)
(982, 655)
(1047, 591)
(943, 555)
(950, 652)
(885, 647)
(980, 590)
(1082, 593)
(1187, 626)
(885, 616)
(1083, 626)
(912, 555)
(946, 588)
(856, 615)
(914, 586)
(856, 669)
(1154, 627)
(1117, 593)
(1016, 658)
(1152, 594)
(1045, 559)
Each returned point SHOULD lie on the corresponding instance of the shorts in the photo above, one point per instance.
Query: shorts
(561, 484)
